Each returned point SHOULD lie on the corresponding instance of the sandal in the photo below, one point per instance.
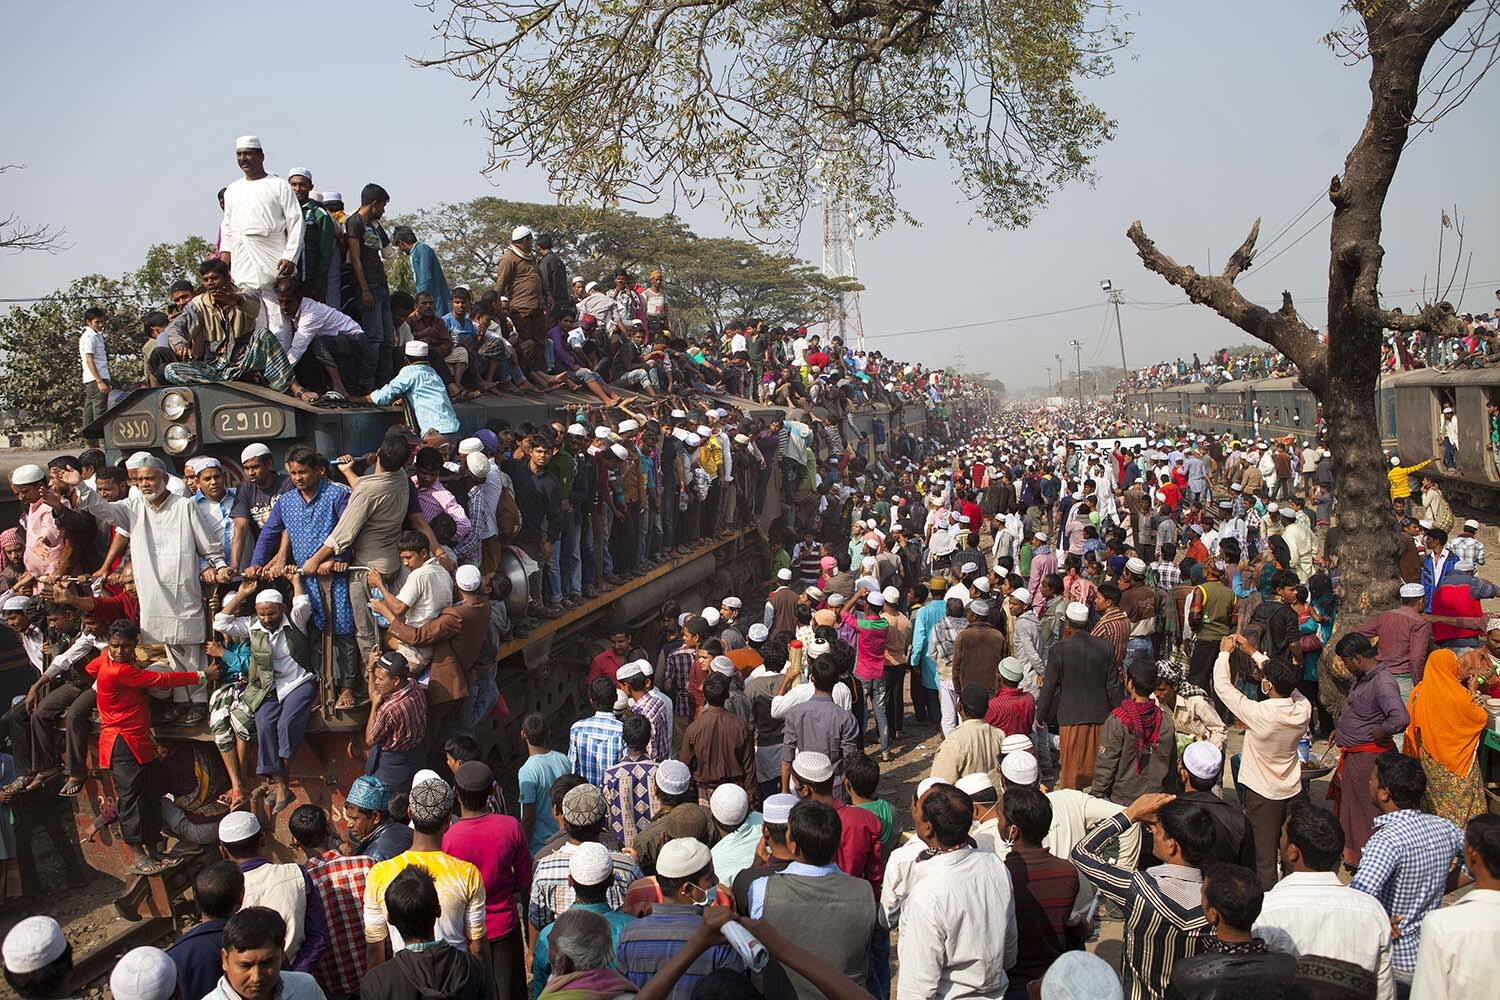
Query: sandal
(275, 806)
(155, 866)
(42, 777)
(71, 788)
(345, 702)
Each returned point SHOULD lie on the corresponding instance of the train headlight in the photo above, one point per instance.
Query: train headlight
(178, 439)
(174, 405)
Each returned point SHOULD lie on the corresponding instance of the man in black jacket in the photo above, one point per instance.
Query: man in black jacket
(428, 967)
(554, 278)
(1200, 768)
(1081, 689)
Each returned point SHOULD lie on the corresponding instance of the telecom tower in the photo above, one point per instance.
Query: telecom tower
(838, 262)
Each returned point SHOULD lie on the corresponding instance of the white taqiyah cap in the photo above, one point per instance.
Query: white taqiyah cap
(1040, 536)
(1015, 743)
(520, 233)
(1203, 760)
(1471, 523)
(1135, 566)
(618, 450)
(722, 665)
(968, 568)
(577, 430)
(778, 808)
(144, 973)
(758, 632)
(927, 783)
(982, 585)
(332, 196)
(891, 595)
(16, 602)
(247, 142)
(269, 596)
(1426, 525)
(682, 858)
(814, 593)
(626, 426)
(812, 765)
(679, 414)
(868, 562)
(704, 431)
(1019, 768)
(32, 944)
(732, 602)
(470, 446)
(25, 475)
(1011, 669)
(630, 669)
(1410, 590)
(256, 450)
(980, 607)
(692, 441)
(478, 465)
(300, 172)
(1077, 612)
(973, 784)
(590, 863)
(416, 349)
(673, 777)
(876, 599)
(602, 432)
(237, 826)
(712, 616)
(729, 805)
(1021, 594)
(467, 578)
(784, 574)
(836, 600)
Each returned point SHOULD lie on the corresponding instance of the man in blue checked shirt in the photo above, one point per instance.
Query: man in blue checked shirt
(1408, 862)
(595, 743)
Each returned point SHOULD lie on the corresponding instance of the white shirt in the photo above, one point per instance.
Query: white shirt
(897, 881)
(427, 591)
(1458, 954)
(262, 224)
(289, 674)
(313, 319)
(91, 345)
(1313, 913)
(959, 909)
(83, 649)
(784, 703)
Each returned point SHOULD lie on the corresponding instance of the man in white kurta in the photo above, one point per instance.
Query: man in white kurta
(167, 537)
(261, 233)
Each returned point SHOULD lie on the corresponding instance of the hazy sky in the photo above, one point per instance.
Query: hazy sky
(125, 116)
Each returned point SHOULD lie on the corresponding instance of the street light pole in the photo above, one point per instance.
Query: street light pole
(1049, 378)
(1116, 295)
(1077, 346)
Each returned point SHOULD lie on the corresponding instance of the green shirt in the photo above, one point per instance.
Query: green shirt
(890, 833)
(563, 466)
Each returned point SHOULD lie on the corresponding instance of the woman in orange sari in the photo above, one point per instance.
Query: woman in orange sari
(1446, 726)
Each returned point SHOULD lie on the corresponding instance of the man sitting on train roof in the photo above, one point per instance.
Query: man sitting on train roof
(420, 387)
(215, 339)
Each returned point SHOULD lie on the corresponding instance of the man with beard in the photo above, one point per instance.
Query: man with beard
(261, 234)
(519, 280)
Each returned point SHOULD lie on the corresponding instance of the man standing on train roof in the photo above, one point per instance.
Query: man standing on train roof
(319, 237)
(419, 386)
(261, 233)
(167, 537)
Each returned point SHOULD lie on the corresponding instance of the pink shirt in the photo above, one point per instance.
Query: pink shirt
(495, 845)
(44, 541)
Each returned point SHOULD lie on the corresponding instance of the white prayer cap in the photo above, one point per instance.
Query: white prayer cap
(741, 439)
(683, 857)
(1203, 760)
(891, 595)
(591, 286)
(1464, 564)
(679, 414)
(729, 805)
(25, 475)
(416, 349)
(722, 665)
(256, 450)
(626, 426)
(982, 584)
(470, 446)
(673, 777)
(1015, 743)
(1020, 768)
(144, 973)
(238, 826)
(33, 944)
(1426, 525)
(868, 562)
(836, 600)
(270, 596)
(619, 451)
(337, 196)
(1021, 594)
(876, 599)
(758, 632)
(680, 434)
(451, 466)
(590, 863)
(577, 430)
(16, 602)
(478, 464)
(520, 233)
(247, 142)
(1010, 669)
(197, 465)
(1077, 612)
(704, 431)
(629, 670)
(711, 615)
(602, 432)
(926, 783)
(1081, 975)
(693, 441)
(300, 172)
(1409, 590)
(980, 607)
(1135, 566)
(1471, 523)
(146, 460)
(784, 575)
(859, 525)
(778, 808)
(1272, 508)
(814, 593)
(973, 784)
(812, 765)
(468, 578)
(1040, 536)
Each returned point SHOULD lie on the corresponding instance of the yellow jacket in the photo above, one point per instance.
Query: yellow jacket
(1400, 483)
(711, 456)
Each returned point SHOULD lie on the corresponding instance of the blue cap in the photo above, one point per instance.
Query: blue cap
(491, 442)
(369, 793)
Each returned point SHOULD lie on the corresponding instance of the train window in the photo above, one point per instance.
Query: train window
(1492, 435)
(1445, 445)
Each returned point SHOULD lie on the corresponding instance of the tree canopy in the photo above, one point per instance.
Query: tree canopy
(709, 281)
(765, 105)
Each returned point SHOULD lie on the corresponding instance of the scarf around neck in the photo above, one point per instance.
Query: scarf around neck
(1142, 719)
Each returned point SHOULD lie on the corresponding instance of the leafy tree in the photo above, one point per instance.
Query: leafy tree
(40, 378)
(762, 105)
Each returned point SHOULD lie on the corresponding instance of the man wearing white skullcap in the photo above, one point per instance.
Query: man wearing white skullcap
(44, 552)
(421, 387)
(591, 880)
(519, 279)
(260, 234)
(739, 831)
(1082, 686)
(38, 959)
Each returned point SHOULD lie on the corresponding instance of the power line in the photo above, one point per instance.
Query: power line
(987, 322)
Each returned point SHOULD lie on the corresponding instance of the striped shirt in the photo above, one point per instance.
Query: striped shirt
(649, 943)
(677, 674)
(401, 719)
(341, 886)
(595, 745)
(1164, 920)
(552, 893)
(1114, 625)
(1045, 888)
(658, 712)
(460, 890)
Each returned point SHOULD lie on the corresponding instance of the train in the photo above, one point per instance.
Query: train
(541, 672)
(1408, 407)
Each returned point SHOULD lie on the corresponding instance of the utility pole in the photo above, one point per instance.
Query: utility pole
(1116, 295)
(1077, 346)
(1061, 372)
(1049, 378)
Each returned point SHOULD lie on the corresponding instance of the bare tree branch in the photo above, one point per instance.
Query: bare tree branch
(23, 237)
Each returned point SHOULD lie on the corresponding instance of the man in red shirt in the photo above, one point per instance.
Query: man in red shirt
(125, 743)
(859, 838)
(608, 663)
(1012, 710)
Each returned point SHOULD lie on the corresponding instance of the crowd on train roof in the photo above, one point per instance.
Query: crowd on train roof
(1102, 648)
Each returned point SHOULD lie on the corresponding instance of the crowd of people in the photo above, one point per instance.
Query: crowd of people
(1106, 660)
(1223, 365)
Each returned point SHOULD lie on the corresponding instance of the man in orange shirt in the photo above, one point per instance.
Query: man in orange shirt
(125, 743)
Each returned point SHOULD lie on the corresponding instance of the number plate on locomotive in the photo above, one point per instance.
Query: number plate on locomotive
(132, 430)
(254, 421)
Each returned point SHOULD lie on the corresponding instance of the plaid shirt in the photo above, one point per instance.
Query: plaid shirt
(1467, 547)
(595, 745)
(629, 793)
(401, 719)
(1405, 865)
(552, 894)
(677, 674)
(655, 711)
(1167, 574)
(341, 885)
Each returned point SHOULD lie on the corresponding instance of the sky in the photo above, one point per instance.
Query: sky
(125, 115)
